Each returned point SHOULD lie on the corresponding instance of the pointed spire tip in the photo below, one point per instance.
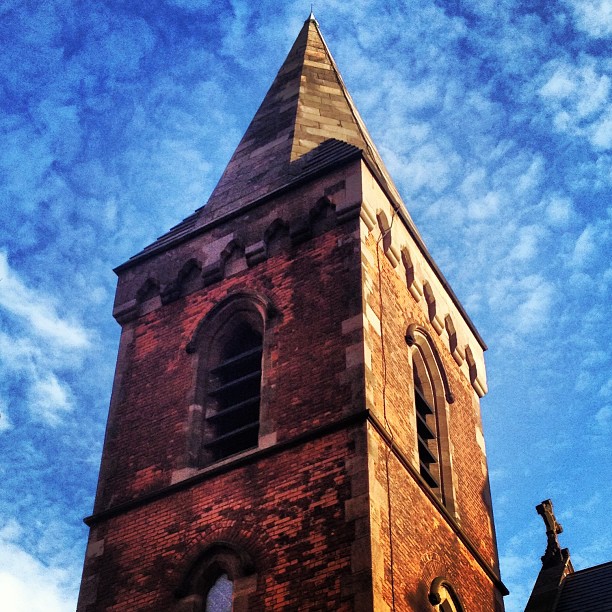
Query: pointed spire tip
(311, 17)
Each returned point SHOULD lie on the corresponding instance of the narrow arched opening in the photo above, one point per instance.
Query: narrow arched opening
(443, 597)
(219, 580)
(232, 386)
(228, 348)
(431, 399)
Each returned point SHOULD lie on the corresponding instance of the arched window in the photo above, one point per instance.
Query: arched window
(427, 430)
(443, 597)
(426, 425)
(431, 396)
(220, 595)
(234, 383)
(220, 580)
(229, 352)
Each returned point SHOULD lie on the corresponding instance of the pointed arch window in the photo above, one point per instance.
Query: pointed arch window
(229, 350)
(427, 430)
(431, 397)
(234, 384)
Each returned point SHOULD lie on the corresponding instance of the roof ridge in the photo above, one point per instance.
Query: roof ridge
(588, 569)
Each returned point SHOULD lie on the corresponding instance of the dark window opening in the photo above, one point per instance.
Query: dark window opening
(221, 580)
(426, 434)
(220, 595)
(235, 384)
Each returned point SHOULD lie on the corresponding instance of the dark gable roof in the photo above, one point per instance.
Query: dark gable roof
(588, 589)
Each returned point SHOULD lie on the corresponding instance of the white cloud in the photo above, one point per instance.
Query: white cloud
(594, 358)
(33, 367)
(485, 207)
(584, 248)
(37, 350)
(526, 247)
(559, 210)
(594, 17)
(5, 421)
(523, 303)
(519, 582)
(37, 309)
(428, 167)
(602, 132)
(560, 85)
(49, 398)
(519, 569)
(534, 310)
(594, 241)
(190, 5)
(606, 389)
(95, 165)
(604, 418)
(26, 584)
(577, 98)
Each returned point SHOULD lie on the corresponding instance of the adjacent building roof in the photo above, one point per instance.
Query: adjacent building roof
(558, 587)
(587, 589)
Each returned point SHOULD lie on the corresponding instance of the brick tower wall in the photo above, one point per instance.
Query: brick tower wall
(428, 540)
(311, 504)
(296, 503)
(288, 510)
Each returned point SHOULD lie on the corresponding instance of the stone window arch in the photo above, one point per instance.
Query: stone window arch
(443, 596)
(229, 348)
(431, 397)
(219, 580)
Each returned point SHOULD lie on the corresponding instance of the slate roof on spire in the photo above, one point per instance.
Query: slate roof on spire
(306, 106)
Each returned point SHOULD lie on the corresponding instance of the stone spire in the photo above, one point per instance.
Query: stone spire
(306, 122)
(306, 105)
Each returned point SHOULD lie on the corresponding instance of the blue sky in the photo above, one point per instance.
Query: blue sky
(493, 117)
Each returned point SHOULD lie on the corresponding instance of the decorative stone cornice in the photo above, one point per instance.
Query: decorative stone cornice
(428, 293)
(190, 275)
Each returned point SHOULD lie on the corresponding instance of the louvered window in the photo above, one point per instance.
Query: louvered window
(426, 434)
(235, 384)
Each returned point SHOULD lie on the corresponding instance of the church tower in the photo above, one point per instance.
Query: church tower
(295, 419)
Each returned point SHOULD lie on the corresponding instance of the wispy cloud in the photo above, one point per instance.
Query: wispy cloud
(577, 96)
(559, 210)
(37, 310)
(594, 17)
(38, 348)
(494, 120)
(5, 421)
